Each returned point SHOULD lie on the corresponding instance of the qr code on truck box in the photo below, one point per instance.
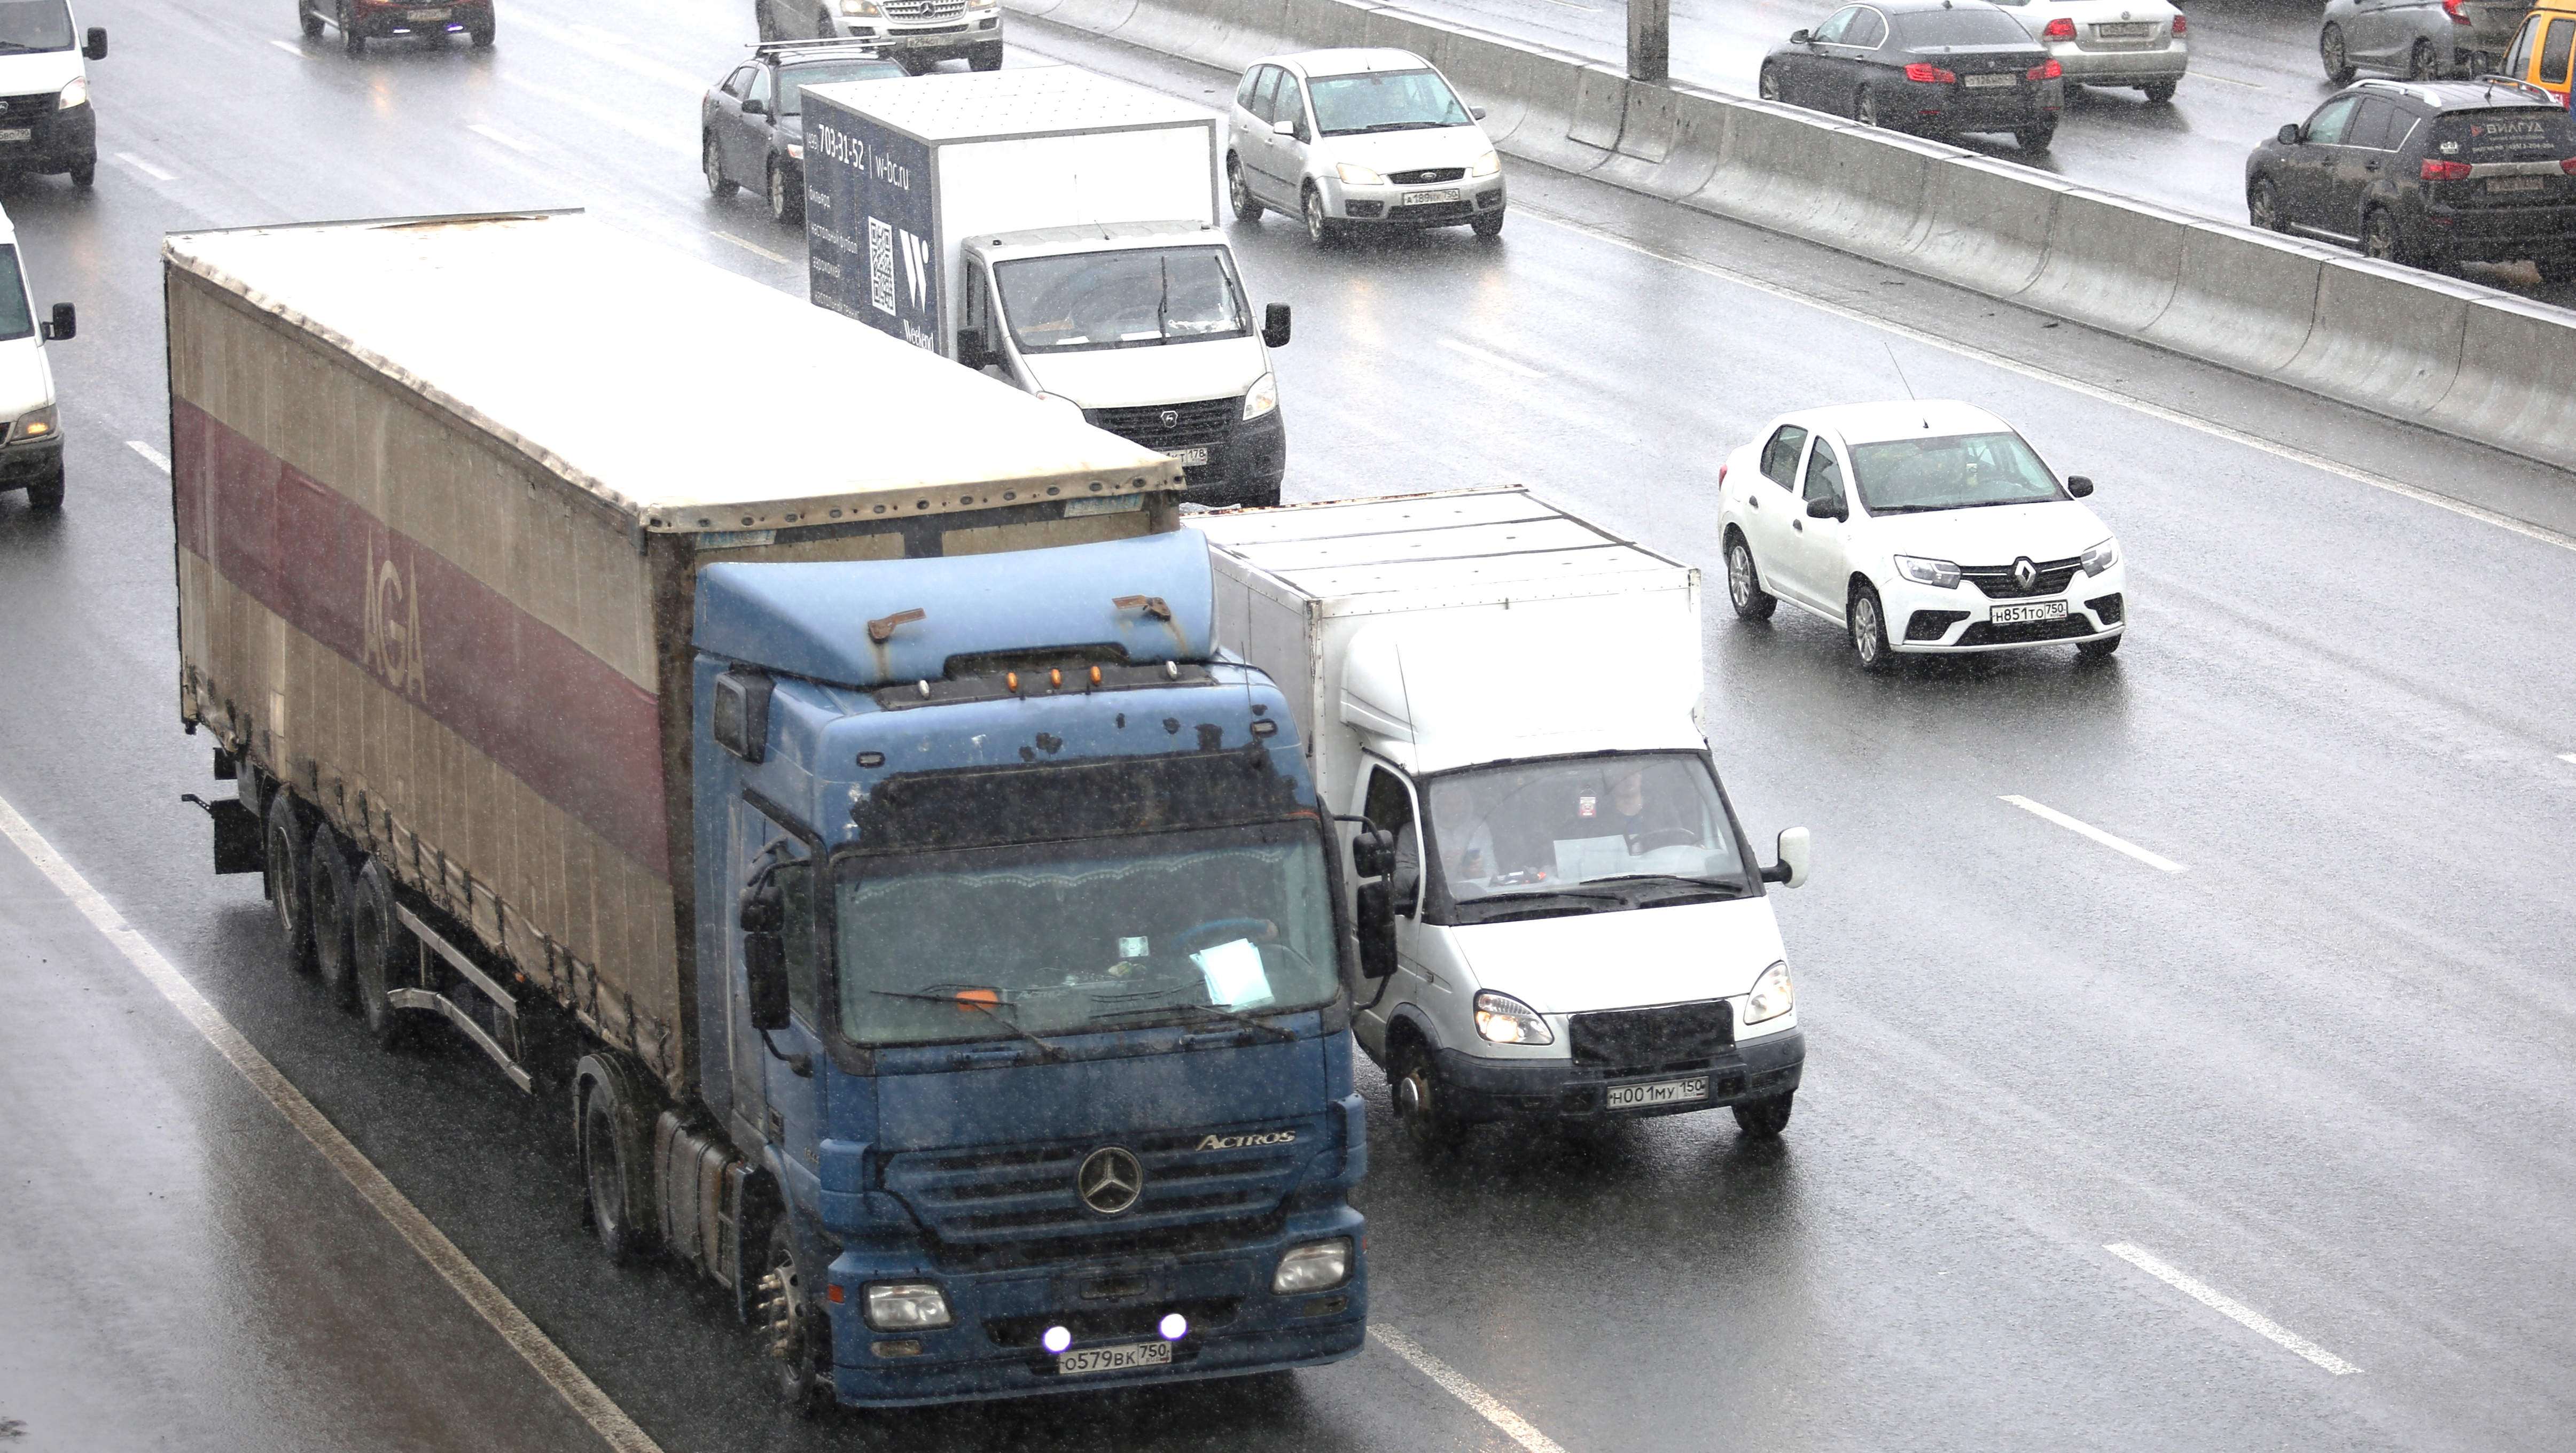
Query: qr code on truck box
(881, 265)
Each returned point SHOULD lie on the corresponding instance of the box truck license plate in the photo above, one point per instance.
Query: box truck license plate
(1975, 82)
(17, 133)
(1664, 1092)
(2046, 610)
(1445, 194)
(1114, 1359)
(1191, 457)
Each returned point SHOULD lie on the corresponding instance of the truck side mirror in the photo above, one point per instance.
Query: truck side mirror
(1377, 929)
(1791, 870)
(764, 972)
(94, 45)
(63, 325)
(2078, 486)
(971, 352)
(2291, 135)
(1372, 853)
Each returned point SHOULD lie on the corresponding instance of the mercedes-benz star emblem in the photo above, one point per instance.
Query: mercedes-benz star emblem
(1110, 1180)
(2025, 575)
(1171, 418)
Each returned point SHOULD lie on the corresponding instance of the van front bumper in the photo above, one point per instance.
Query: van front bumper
(1487, 1089)
(39, 459)
(56, 141)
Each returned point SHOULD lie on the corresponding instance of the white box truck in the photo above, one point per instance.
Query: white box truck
(1058, 230)
(1562, 915)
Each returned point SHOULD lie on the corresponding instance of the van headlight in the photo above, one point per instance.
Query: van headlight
(1359, 176)
(1927, 572)
(1503, 1019)
(1263, 398)
(37, 424)
(903, 1306)
(75, 93)
(2101, 557)
(1487, 165)
(1771, 996)
(1316, 1266)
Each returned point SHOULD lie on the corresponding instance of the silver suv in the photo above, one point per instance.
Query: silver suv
(919, 32)
(1351, 139)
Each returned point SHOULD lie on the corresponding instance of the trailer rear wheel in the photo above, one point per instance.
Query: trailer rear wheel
(800, 1336)
(613, 1118)
(383, 956)
(330, 892)
(288, 849)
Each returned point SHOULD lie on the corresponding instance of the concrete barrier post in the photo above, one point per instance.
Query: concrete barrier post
(1650, 40)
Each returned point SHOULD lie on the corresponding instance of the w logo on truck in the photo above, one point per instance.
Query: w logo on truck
(393, 626)
(916, 269)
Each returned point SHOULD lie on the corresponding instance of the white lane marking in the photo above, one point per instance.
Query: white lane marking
(2211, 427)
(2567, 756)
(2231, 80)
(540, 1352)
(145, 167)
(495, 133)
(753, 247)
(1494, 360)
(1485, 1404)
(1570, 5)
(2229, 1307)
(2096, 834)
(159, 460)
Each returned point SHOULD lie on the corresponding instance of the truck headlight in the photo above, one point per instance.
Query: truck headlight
(37, 423)
(75, 93)
(1771, 996)
(1506, 1020)
(1359, 175)
(2101, 557)
(902, 1306)
(1316, 1266)
(1927, 572)
(1263, 398)
(1487, 165)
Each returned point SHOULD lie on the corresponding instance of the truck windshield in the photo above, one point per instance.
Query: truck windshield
(35, 25)
(1384, 101)
(1121, 299)
(1653, 824)
(1908, 476)
(1065, 937)
(17, 320)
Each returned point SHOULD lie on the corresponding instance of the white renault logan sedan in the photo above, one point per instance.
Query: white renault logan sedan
(1350, 139)
(1918, 527)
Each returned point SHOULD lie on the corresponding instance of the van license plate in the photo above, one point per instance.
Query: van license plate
(2045, 610)
(18, 133)
(1988, 82)
(1114, 1359)
(1444, 194)
(1663, 1092)
(2514, 184)
(1193, 458)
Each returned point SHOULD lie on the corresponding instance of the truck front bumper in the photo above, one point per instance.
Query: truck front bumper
(991, 1348)
(1485, 1089)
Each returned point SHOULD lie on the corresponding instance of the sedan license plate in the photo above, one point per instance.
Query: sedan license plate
(17, 133)
(2514, 184)
(1982, 82)
(1192, 458)
(1113, 1359)
(2041, 610)
(2134, 30)
(424, 15)
(1416, 199)
(1662, 1092)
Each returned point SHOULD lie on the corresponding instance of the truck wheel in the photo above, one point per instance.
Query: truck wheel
(330, 893)
(481, 36)
(84, 172)
(1239, 192)
(286, 872)
(1744, 583)
(383, 956)
(1764, 1119)
(800, 1336)
(45, 494)
(612, 1121)
(786, 206)
(984, 57)
(1421, 1101)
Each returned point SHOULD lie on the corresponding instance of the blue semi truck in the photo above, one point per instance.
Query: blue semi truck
(844, 810)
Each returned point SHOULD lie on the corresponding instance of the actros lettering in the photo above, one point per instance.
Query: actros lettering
(1246, 1142)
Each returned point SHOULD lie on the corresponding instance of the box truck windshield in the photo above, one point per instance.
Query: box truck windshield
(1058, 937)
(1503, 837)
(1122, 299)
(35, 25)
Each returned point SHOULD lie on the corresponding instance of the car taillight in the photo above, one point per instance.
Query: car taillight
(2059, 29)
(1921, 72)
(2048, 72)
(2458, 10)
(1721, 474)
(2443, 171)
(2568, 166)
(2181, 26)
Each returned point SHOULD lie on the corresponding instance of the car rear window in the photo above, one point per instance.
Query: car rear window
(2521, 133)
(1960, 27)
(793, 80)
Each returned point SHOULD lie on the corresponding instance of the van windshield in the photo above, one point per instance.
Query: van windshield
(1384, 101)
(17, 320)
(1645, 826)
(35, 25)
(1121, 299)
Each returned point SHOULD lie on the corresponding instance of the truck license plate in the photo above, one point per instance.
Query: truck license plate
(1194, 458)
(1113, 1359)
(1981, 82)
(2045, 610)
(18, 133)
(1662, 1092)
(2514, 184)
(1444, 194)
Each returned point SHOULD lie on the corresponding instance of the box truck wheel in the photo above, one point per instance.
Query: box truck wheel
(383, 956)
(286, 873)
(330, 893)
(614, 1110)
(984, 57)
(46, 492)
(84, 172)
(1764, 1119)
(800, 1336)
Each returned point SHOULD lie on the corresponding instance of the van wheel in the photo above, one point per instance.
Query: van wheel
(1239, 192)
(614, 1127)
(2330, 50)
(330, 892)
(1421, 1101)
(45, 494)
(1744, 583)
(286, 870)
(799, 1336)
(383, 956)
(1764, 1119)
(1869, 629)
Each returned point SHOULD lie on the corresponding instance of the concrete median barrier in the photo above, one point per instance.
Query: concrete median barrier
(1672, 142)
(2387, 337)
(2517, 380)
(1985, 224)
(2242, 298)
(2109, 263)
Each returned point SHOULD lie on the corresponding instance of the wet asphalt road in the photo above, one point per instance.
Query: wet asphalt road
(2324, 1070)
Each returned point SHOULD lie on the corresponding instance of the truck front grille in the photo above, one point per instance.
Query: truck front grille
(1171, 427)
(1647, 1038)
(1026, 1193)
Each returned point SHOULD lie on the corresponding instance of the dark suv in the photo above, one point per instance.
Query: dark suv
(751, 126)
(2430, 173)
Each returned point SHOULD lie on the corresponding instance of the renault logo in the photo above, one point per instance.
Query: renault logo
(1110, 1180)
(1171, 418)
(2025, 575)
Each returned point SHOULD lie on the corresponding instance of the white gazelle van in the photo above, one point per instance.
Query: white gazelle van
(31, 453)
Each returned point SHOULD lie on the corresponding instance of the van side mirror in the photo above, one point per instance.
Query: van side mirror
(2292, 135)
(1791, 870)
(1376, 929)
(1801, 37)
(63, 326)
(94, 45)
(764, 971)
(2078, 486)
(1274, 325)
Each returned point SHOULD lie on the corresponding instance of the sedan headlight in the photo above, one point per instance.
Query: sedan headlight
(37, 423)
(795, 151)
(75, 93)
(1359, 176)
(1927, 572)
(1314, 1267)
(1487, 165)
(1503, 1019)
(1263, 398)
(1771, 996)
(905, 1306)
(2101, 557)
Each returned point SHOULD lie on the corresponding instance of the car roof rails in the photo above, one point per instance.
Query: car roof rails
(833, 45)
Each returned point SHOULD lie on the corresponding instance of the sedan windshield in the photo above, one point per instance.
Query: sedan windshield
(1099, 935)
(1654, 823)
(1121, 299)
(1384, 101)
(1931, 29)
(35, 25)
(792, 80)
(1906, 476)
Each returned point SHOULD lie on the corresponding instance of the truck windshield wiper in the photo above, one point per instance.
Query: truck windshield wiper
(1202, 1010)
(1052, 1049)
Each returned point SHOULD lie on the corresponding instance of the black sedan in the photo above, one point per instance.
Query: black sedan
(751, 125)
(1933, 66)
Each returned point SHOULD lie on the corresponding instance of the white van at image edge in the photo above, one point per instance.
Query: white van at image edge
(31, 453)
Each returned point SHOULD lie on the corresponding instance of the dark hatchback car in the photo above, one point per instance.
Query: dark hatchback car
(2429, 173)
(751, 126)
(360, 21)
(1933, 66)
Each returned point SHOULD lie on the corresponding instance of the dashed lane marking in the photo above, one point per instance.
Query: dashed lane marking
(752, 247)
(2117, 845)
(2229, 1307)
(290, 47)
(496, 134)
(1487, 1406)
(145, 167)
(1494, 360)
(159, 460)
(2567, 756)
(533, 1345)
